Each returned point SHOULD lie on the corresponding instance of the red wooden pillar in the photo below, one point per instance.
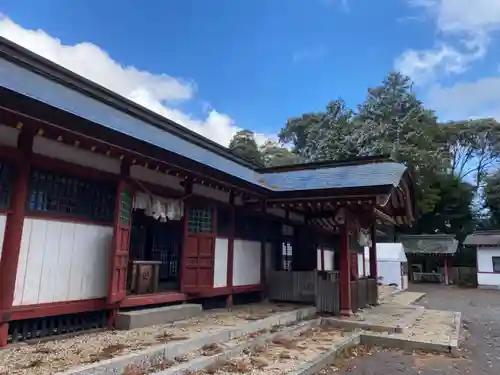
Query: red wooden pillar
(373, 252)
(345, 271)
(230, 251)
(446, 271)
(14, 231)
(117, 284)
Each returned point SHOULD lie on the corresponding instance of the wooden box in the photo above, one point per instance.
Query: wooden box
(144, 276)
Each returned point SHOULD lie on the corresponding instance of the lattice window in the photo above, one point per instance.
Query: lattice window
(286, 255)
(6, 176)
(60, 194)
(200, 220)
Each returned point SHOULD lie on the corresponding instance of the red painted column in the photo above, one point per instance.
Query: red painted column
(14, 231)
(446, 271)
(345, 271)
(230, 252)
(373, 254)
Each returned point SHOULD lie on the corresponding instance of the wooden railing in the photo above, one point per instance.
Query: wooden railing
(372, 291)
(363, 293)
(313, 287)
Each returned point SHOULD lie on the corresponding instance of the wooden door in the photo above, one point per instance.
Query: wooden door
(198, 255)
(117, 287)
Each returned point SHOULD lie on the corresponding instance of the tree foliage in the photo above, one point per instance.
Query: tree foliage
(244, 145)
(492, 198)
(452, 161)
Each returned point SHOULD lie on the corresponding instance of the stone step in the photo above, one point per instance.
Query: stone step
(157, 315)
(299, 349)
(153, 358)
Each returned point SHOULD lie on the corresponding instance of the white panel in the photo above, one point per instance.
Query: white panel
(360, 265)
(389, 273)
(58, 150)
(485, 264)
(8, 136)
(246, 263)
(484, 258)
(220, 262)
(61, 261)
(489, 279)
(328, 257)
(143, 174)
(209, 192)
(3, 218)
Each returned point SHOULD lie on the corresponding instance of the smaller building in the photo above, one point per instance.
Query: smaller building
(429, 256)
(487, 244)
(392, 264)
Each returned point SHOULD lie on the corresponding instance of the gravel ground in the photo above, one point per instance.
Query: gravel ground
(59, 355)
(481, 345)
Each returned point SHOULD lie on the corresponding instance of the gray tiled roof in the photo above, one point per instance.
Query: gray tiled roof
(62, 95)
(429, 244)
(485, 238)
(346, 176)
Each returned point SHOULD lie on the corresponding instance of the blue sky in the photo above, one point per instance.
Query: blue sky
(219, 65)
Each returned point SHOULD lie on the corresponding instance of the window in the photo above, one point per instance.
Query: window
(5, 185)
(200, 220)
(496, 264)
(60, 194)
(286, 255)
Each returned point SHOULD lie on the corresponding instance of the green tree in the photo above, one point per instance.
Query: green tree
(492, 199)
(243, 144)
(274, 155)
(474, 147)
(452, 213)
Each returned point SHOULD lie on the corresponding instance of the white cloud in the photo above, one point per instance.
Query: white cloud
(157, 92)
(424, 65)
(463, 29)
(464, 100)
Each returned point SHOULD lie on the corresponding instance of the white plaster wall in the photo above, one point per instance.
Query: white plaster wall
(485, 264)
(360, 265)
(61, 151)
(390, 273)
(3, 218)
(220, 262)
(61, 261)
(206, 191)
(8, 136)
(148, 175)
(246, 263)
(328, 258)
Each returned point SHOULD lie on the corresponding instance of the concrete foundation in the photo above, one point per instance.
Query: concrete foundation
(159, 315)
